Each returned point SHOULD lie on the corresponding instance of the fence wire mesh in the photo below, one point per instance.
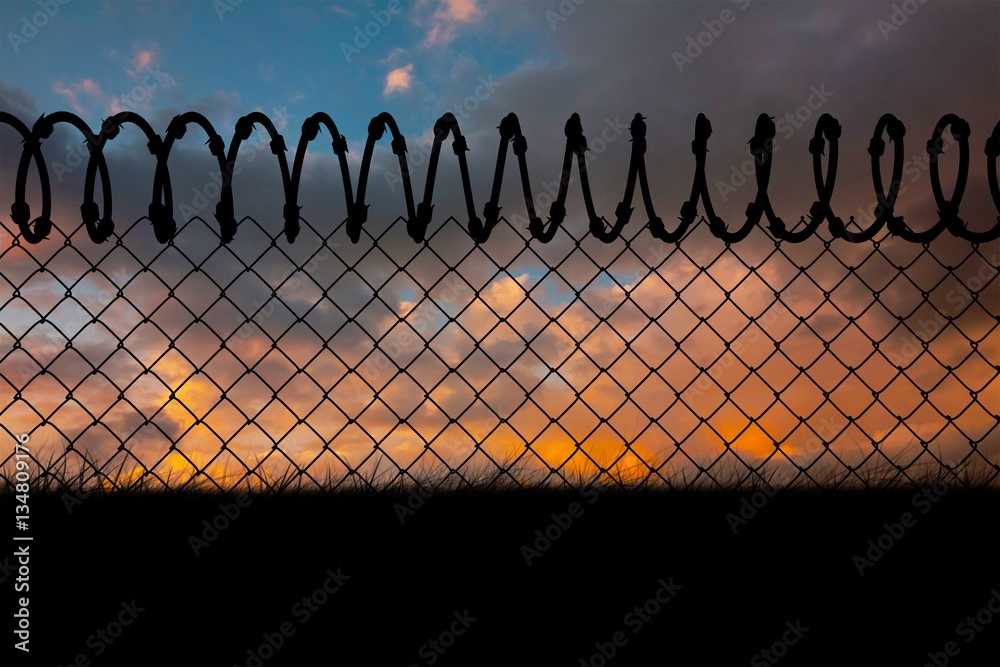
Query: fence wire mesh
(672, 359)
(326, 365)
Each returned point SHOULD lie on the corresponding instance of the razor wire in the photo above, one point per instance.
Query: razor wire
(828, 130)
(601, 438)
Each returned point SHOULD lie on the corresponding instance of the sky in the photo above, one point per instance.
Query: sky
(481, 60)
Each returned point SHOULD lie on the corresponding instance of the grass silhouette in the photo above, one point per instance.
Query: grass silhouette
(459, 546)
(55, 475)
(425, 544)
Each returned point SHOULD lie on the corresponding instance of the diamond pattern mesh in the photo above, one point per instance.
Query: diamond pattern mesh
(637, 363)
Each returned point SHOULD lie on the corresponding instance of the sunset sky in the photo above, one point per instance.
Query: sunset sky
(481, 60)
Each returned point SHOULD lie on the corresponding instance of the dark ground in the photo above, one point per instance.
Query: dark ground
(460, 554)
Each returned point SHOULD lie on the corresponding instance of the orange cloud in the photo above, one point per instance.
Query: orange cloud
(61, 89)
(72, 92)
(141, 60)
(398, 80)
(90, 87)
(463, 11)
(449, 15)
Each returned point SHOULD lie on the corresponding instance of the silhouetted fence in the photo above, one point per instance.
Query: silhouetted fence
(870, 357)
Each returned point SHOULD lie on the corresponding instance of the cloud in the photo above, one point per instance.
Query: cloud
(735, 78)
(90, 87)
(342, 11)
(394, 56)
(61, 89)
(462, 11)
(72, 93)
(144, 77)
(17, 101)
(143, 59)
(398, 79)
(449, 15)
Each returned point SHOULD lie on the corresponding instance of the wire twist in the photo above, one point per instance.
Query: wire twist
(418, 216)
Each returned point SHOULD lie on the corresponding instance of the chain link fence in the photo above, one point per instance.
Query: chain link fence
(545, 357)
